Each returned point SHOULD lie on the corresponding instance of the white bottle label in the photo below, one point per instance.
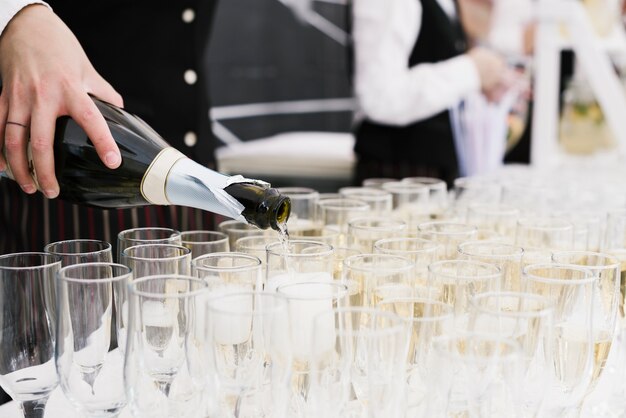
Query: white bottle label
(155, 178)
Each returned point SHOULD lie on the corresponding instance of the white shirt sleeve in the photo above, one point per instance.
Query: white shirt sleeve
(387, 89)
(9, 8)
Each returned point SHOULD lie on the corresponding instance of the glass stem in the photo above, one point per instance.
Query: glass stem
(35, 408)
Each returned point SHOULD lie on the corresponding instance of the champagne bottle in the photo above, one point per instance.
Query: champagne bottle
(152, 172)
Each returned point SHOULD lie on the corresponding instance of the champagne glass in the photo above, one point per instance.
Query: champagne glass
(499, 218)
(421, 251)
(255, 245)
(300, 261)
(377, 182)
(204, 242)
(238, 229)
(90, 375)
(302, 220)
(229, 272)
(410, 201)
(339, 255)
(606, 302)
(475, 190)
(336, 213)
(364, 232)
(153, 259)
(27, 340)
(161, 379)
(77, 251)
(449, 234)
(306, 300)
(571, 289)
(380, 201)
(483, 373)
(457, 281)
(248, 341)
(507, 257)
(437, 193)
(545, 232)
(362, 368)
(428, 320)
(139, 236)
(375, 277)
(528, 319)
(615, 231)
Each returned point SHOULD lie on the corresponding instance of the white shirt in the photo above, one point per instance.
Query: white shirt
(9, 8)
(387, 89)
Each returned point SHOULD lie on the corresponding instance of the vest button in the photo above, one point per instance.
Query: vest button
(188, 15)
(190, 77)
(190, 139)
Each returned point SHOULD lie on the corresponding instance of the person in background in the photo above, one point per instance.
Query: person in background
(415, 63)
(151, 52)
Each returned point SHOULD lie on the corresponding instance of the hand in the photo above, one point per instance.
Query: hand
(492, 71)
(46, 74)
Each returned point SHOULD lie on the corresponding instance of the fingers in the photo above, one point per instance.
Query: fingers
(84, 111)
(15, 140)
(42, 145)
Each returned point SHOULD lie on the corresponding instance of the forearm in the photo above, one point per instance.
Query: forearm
(405, 96)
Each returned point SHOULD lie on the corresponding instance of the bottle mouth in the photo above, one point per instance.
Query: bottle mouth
(283, 210)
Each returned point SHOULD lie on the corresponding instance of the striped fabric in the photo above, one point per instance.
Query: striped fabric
(29, 222)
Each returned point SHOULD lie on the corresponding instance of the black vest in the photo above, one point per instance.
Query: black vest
(145, 59)
(429, 142)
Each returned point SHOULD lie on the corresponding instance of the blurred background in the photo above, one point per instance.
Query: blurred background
(279, 78)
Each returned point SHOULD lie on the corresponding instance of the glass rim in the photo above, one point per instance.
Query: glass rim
(132, 286)
(465, 230)
(396, 224)
(222, 236)
(255, 262)
(408, 263)
(256, 237)
(423, 300)
(107, 246)
(186, 252)
(547, 308)
(398, 187)
(343, 204)
(589, 276)
(122, 234)
(117, 277)
(54, 259)
(605, 256)
(298, 192)
(492, 209)
(329, 249)
(528, 222)
(490, 243)
(227, 223)
(397, 323)
(268, 310)
(495, 274)
(433, 245)
(429, 181)
(369, 193)
(341, 293)
(440, 344)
